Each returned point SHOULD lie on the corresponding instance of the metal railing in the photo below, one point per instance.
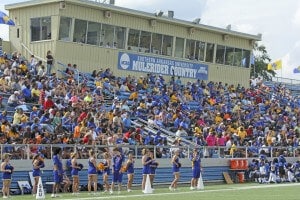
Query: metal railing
(286, 80)
(26, 151)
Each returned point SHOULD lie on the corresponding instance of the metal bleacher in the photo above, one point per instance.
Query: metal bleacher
(170, 136)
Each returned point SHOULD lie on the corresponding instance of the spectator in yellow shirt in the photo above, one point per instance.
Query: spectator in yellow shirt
(23, 68)
(242, 134)
(133, 96)
(88, 98)
(218, 118)
(3, 84)
(233, 148)
(174, 99)
(35, 93)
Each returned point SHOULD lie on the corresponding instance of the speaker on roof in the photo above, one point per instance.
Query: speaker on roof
(62, 5)
(107, 14)
(153, 22)
(225, 37)
(192, 31)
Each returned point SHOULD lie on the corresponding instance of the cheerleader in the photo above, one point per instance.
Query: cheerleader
(196, 169)
(117, 170)
(92, 172)
(130, 171)
(106, 171)
(6, 170)
(146, 161)
(37, 163)
(175, 168)
(58, 171)
(153, 167)
(74, 173)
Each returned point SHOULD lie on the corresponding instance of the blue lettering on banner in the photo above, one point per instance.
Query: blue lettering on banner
(157, 65)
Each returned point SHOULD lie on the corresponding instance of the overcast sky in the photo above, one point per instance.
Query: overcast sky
(277, 20)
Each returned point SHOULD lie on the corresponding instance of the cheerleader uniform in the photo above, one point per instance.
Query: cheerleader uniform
(57, 173)
(106, 168)
(146, 168)
(91, 169)
(74, 171)
(130, 168)
(36, 172)
(153, 167)
(117, 165)
(7, 175)
(175, 167)
(196, 167)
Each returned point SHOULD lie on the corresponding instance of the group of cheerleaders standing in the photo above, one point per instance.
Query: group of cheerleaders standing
(112, 164)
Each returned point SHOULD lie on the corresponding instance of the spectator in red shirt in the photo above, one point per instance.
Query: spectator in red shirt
(211, 141)
(48, 103)
(82, 116)
(127, 135)
(42, 96)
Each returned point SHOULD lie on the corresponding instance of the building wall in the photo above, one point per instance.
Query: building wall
(22, 18)
(90, 57)
(94, 58)
(6, 46)
(142, 23)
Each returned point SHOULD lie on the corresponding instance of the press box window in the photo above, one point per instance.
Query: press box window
(40, 28)
(65, 29)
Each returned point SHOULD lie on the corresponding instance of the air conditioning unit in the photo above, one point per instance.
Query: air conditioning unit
(225, 37)
(107, 14)
(192, 31)
(153, 22)
(62, 5)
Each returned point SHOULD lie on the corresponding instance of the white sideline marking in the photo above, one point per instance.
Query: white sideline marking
(184, 192)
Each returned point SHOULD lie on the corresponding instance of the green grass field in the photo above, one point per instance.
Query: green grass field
(288, 191)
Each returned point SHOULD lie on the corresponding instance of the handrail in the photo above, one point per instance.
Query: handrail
(28, 50)
(169, 133)
(217, 150)
(286, 80)
(76, 70)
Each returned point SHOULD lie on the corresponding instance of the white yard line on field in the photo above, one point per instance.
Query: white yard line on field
(183, 192)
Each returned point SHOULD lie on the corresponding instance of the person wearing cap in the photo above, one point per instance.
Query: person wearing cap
(107, 87)
(37, 163)
(13, 99)
(7, 170)
(33, 114)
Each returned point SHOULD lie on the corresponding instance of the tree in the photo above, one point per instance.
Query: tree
(261, 59)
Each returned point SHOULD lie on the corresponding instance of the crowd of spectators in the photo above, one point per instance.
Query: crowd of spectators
(51, 109)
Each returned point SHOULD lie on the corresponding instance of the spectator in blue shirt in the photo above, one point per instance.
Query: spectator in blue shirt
(33, 113)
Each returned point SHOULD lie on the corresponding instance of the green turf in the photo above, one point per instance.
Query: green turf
(288, 191)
